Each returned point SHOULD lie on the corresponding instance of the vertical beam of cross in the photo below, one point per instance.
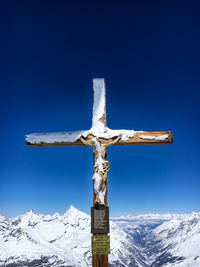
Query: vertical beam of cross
(99, 122)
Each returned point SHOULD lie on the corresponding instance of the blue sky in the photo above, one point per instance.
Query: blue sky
(148, 51)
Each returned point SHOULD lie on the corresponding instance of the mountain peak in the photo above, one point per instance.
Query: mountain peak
(73, 215)
(71, 209)
(2, 218)
(30, 211)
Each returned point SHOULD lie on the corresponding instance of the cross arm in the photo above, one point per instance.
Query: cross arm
(77, 138)
(56, 139)
(149, 138)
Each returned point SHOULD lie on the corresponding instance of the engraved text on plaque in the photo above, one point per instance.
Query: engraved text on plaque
(100, 220)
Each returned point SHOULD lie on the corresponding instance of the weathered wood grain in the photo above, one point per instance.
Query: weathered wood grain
(100, 260)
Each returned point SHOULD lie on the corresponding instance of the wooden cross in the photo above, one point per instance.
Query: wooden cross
(99, 137)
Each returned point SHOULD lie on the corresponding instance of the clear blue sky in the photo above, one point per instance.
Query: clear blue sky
(148, 51)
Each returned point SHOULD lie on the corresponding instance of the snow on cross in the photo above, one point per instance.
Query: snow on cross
(99, 137)
(98, 129)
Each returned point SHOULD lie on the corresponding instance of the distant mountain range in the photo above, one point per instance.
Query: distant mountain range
(36, 240)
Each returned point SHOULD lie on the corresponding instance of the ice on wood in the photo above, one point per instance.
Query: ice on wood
(107, 133)
(98, 128)
(99, 161)
(98, 173)
(159, 138)
(99, 103)
(70, 137)
(58, 137)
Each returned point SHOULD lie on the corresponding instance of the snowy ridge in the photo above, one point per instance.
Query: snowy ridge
(148, 240)
(179, 238)
(59, 240)
(156, 216)
(166, 239)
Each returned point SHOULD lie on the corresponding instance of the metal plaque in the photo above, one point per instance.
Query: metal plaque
(100, 244)
(100, 220)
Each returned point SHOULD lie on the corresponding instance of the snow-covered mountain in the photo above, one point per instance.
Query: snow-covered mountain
(35, 240)
(167, 239)
(60, 240)
(153, 216)
(176, 242)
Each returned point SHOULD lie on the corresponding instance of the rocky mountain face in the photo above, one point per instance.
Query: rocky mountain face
(35, 240)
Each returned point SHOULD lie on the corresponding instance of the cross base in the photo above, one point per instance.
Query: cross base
(100, 260)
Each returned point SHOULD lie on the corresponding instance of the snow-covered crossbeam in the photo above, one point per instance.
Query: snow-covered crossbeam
(73, 138)
(128, 137)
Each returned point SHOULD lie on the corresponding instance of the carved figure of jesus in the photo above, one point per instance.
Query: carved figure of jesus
(101, 165)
